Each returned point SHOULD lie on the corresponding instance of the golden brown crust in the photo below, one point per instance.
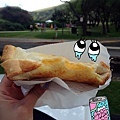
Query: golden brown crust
(8, 52)
(18, 67)
(15, 67)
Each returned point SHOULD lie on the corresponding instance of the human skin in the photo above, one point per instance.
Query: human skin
(13, 104)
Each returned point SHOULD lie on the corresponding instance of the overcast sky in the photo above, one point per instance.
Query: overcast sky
(30, 5)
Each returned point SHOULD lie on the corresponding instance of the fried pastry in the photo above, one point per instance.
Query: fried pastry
(22, 65)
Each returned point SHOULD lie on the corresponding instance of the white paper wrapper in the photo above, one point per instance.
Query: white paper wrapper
(65, 95)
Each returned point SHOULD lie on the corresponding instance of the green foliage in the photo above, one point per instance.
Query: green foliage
(16, 15)
(46, 14)
(58, 24)
(60, 16)
(76, 5)
(18, 26)
(7, 25)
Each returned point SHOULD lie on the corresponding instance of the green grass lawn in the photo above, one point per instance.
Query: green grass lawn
(48, 34)
(112, 92)
(96, 33)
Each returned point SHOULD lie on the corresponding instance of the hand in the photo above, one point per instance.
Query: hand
(13, 104)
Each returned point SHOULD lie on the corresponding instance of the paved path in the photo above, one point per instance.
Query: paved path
(28, 43)
(25, 43)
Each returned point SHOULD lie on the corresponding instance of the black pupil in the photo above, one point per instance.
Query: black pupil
(94, 48)
(80, 45)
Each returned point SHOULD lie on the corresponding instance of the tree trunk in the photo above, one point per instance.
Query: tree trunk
(117, 26)
(103, 28)
(62, 28)
(84, 25)
(107, 26)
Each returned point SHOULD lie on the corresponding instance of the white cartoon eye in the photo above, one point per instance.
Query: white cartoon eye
(93, 51)
(79, 48)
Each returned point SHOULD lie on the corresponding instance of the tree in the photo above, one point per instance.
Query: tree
(80, 8)
(17, 15)
(115, 14)
(96, 11)
(102, 10)
(85, 6)
(60, 16)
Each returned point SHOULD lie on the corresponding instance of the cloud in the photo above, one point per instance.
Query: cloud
(30, 5)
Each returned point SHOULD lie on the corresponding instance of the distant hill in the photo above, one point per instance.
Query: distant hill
(45, 14)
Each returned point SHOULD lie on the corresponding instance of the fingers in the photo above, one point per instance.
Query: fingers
(34, 95)
(6, 82)
(37, 91)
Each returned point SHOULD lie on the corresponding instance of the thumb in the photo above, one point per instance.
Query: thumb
(35, 93)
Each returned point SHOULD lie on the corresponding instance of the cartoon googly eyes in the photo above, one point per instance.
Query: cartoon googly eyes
(94, 51)
(79, 48)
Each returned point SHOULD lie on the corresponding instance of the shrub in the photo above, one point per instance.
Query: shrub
(9, 26)
(18, 26)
